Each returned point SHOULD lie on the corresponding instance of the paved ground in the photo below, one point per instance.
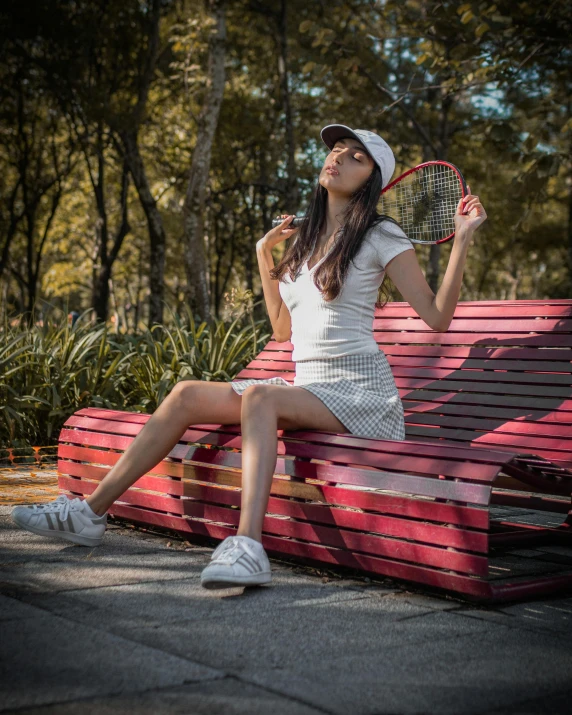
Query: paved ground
(127, 628)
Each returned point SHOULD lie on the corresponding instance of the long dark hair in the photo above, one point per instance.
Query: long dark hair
(359, 216)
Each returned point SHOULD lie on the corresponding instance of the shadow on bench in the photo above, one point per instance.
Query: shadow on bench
(476, 500)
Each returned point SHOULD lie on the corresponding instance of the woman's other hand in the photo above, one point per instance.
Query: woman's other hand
(470, 214)
(279, 233)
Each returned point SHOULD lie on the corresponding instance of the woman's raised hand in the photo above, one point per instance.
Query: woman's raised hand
(279, 233)
(470, 214)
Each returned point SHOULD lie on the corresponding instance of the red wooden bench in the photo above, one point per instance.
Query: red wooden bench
(476, 500)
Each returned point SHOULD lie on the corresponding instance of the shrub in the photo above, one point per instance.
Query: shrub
(50, 369)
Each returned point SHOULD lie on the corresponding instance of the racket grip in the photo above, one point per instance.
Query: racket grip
(294, 223)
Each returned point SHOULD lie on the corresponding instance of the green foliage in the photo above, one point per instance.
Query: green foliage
(484, 84)
(50, 370)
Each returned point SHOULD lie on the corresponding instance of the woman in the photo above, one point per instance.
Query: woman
(343, 382)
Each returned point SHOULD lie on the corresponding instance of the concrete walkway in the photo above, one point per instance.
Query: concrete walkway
(127, 628)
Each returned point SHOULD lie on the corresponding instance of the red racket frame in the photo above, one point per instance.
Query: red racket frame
(420, 166)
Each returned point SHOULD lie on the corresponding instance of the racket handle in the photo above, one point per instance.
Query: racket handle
(294, 223)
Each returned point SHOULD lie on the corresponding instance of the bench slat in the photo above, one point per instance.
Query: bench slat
(516, 366)
(442, 352)
(500, 326)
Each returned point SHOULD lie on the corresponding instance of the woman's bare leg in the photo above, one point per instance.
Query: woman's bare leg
(259, 424)
(189, 402)
(261, 411)
(265, 409)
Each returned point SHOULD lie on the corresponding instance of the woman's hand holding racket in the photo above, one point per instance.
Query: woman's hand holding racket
(431, 202)
(279, 233)
(470, 214)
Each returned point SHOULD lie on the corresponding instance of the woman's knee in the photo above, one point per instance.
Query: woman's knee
(255, 392)
(205, 401)
(257, 396)
(182, 392)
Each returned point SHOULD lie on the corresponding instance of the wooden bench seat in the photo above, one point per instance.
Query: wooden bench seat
(476, 500)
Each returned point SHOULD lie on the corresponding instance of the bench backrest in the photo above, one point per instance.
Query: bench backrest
(500, 377)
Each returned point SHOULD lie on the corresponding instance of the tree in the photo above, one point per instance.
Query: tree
(38, 158)
(193, 208)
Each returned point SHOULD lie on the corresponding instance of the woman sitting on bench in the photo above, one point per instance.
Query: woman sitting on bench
(322, 297)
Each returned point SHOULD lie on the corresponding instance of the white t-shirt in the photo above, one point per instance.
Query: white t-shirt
(344, 326)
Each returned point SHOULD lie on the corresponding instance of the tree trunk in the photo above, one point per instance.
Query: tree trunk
(197, 288)
(570, 230)
(12, 226)
(291, 198)
(100, 295)
(129, 139)
(106, 257)
(157, 238)
(434, 268)
(31, 295)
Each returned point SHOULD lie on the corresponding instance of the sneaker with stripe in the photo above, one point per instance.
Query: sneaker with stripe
(64, 518)
(237, 561)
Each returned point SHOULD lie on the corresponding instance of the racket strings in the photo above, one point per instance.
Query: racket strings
(425, 202)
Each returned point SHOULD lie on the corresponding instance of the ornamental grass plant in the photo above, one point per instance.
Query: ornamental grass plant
(49, 368)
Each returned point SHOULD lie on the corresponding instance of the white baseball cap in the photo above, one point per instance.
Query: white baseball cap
(376, 147)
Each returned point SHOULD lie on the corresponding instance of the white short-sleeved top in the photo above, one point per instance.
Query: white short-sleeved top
(344, 326)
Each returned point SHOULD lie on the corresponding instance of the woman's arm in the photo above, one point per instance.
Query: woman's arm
(404, 270)
(469, 216)
(277, 310)
(447, 296)
(407, 276)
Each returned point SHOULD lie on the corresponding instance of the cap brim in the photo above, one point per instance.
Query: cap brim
(332, 132)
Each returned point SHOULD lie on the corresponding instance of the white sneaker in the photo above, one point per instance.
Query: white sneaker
(237, 561)
(65, 518)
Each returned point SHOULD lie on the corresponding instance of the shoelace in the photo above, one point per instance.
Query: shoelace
(223, 547)
(61, 505)
(232, 551)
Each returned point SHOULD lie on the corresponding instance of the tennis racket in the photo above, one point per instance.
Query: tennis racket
(423, 201)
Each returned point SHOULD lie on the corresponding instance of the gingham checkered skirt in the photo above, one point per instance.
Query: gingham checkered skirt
(359, 389)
